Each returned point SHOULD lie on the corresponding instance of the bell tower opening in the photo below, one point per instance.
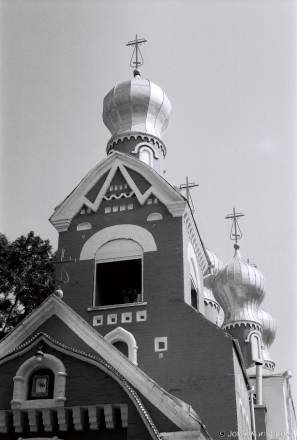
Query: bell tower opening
(118, 282)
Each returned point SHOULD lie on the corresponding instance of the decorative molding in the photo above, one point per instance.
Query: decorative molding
(196, 240)
(159, 188)
(177, 208)
(146, 145)
(120, 334)
(155, 216)
(179, 413)
(119, 196)
(135, 135)
(251, 324)
(61, 225)
(128, 232)
(84, 226)
(21, 383)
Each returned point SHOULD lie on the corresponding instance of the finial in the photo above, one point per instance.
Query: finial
(235, 226)
(136, 51)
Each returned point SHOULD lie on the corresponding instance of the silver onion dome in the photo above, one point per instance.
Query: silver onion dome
(215, 261)
(268, 336)
(239, 288)
(136, 106)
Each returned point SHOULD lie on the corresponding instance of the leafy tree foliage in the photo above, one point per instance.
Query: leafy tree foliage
(25, 278)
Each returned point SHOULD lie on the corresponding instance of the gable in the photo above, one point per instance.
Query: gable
(122, 167)
(93, 193)
(181, 414)
(97, 398)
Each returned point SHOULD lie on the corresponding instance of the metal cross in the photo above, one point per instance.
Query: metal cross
(136, 43)
(235, 225)
(60, 271)
(188, 186)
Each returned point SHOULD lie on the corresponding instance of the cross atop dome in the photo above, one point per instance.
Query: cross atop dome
(137, 53)
(237, 234)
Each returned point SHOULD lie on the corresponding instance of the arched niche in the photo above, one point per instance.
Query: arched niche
(255, 340)
(21, 383)
(84, 226)
(120, 334)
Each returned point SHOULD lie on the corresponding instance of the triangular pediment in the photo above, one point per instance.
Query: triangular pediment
(141, 181)
(177, 411)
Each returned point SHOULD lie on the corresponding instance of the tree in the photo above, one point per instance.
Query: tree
(25, 277)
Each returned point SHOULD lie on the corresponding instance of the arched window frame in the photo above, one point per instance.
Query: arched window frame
(150, 154)
(120, 334)
(256, 357)
(21, 383)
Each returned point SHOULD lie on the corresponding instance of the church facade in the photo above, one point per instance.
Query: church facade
(135, 346)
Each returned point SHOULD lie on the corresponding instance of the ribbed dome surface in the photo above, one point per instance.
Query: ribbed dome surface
(240, 289)
(137, 105)
(268, 334)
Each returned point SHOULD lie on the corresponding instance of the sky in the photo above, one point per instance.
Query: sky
(229, 69)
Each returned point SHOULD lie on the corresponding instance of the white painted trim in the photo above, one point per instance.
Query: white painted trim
(145, 144)
(120, 334)
(151, 156)
(84, 226)
(128, 232)
(21, 383)
(160, 188)
(177, 208)
(154, 216)
(180, 414)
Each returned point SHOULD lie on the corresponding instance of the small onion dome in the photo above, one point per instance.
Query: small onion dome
(136, 106)
(240, 289)
(215, 261)
(268, 336)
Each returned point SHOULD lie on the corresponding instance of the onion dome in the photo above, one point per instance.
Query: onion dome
(136, 107)
(215, 262)
(240, 289)
(268, 336)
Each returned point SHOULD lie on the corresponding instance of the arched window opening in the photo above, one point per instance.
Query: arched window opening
(146, 156)
(194, 295)
(118, 277)
(41, 384)
(256, 348)
(122, 347)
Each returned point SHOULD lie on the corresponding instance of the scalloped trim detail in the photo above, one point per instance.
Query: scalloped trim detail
(135, 135)
(251, 324)
(212, 303)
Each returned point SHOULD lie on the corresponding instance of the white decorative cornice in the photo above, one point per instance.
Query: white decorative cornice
(62, 224)
(254, 325)
(177, 208)
(196, 240)
(159, 188)
(135, 135)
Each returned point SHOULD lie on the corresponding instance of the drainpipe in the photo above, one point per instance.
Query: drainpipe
(259, 393)
(251, 393)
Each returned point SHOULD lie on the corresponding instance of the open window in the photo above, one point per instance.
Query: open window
(118, 273)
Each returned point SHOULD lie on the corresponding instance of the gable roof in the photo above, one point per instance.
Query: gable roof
(180, 413)
(159, 188)
(103, 365)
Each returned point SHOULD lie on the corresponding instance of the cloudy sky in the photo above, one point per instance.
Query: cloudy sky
(229, 70)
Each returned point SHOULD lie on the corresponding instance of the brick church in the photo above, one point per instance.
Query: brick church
(153, 337)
